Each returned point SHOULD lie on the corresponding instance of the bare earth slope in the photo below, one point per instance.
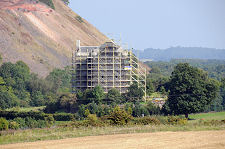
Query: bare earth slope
(40, 36)
(159, 140)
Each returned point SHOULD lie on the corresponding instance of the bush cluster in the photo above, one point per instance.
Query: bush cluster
(4, 124)
(26, 123)
(14, 114)
(119, 119)
(176, 120)
(119, 116)
(9, 115)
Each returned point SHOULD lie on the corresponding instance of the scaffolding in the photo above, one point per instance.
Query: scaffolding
(108, 66)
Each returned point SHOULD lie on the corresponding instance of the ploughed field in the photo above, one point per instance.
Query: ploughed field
(179, 140)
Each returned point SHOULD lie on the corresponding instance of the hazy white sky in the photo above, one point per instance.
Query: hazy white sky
(158, 23)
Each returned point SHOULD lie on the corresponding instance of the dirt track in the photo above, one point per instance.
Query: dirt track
(165, 140)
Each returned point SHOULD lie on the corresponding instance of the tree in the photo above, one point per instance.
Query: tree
(7, 98)
(190, 90)
(150, 87)
(96, 95)
(37, 99)
(67, 102)
(140, 110)
(152, 108)
(222, 92)
(2, 82)
(60, 78)
(135, 92)
(114, 95)
(162, 90)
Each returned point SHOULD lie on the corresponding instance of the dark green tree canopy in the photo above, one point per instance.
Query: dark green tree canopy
(190, 90)
(222, 92)
(114, 95)
(134, 92)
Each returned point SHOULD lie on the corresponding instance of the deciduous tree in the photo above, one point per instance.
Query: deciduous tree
(190, 90)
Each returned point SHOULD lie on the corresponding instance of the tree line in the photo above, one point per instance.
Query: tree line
(158, 80)
(20, 87)
(189, 90)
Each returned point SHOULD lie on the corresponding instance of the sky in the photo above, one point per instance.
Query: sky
(161, 24)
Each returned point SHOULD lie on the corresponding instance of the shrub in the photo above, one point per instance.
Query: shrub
(21, 122)
(31, 123)
(162, 119)
(119, 117)
(146, 121)
(25, 123)
(86, 112)
(176, 120)
(10, 115)
(14, 114)
(41, 124)
(49, 120)
(78, 124)
(182, 121)
(79, 19)
(140, 110)
(4, 124)
(14, 125)
(92, 120)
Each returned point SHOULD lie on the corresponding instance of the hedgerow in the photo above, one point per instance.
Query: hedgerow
(9, 115)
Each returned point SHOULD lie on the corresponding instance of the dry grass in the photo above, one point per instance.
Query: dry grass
(165, 140)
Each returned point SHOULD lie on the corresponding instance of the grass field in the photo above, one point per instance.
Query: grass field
(208, 116)
(26, 109)
(55, 133)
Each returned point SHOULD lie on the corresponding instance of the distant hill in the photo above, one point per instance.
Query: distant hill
(181, 53)
(42, 33)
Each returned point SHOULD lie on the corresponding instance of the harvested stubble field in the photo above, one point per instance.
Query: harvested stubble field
(165, 140)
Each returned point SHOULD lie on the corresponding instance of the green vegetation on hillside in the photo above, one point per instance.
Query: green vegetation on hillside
(19, 87)
(49, 3)
(80, 19)
(66, 2)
